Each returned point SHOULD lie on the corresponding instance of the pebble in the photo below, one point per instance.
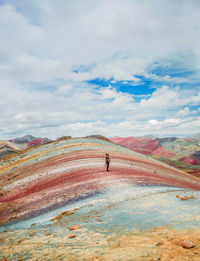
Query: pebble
(73, 227)
(188, 244)
(185, 198)
(71, 235)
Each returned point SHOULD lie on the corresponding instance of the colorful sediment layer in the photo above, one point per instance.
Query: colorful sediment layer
(54, 174)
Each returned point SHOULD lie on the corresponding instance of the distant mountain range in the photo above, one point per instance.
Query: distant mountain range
(30, 140)
(13, 146)
(182, 153)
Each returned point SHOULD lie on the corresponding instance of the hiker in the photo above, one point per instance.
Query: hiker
(107, 161)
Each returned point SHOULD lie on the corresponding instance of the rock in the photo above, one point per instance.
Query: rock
(188, 244)
(185, 198)
(71, 235)
(155, 259)
(31, 234)
(19, 241)
(73, 227)
(64, 213)
(159, 244)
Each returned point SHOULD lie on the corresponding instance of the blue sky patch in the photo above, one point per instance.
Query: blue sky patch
(144, 87)
(194, 108)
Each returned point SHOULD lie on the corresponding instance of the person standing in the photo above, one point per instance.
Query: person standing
(107, 161)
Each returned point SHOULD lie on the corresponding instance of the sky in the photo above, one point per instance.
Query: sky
(108, 67)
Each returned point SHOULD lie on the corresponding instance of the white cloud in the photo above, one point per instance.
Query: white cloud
(127, 128)
(162, 98)
(171, 98)
(83, 111)
(64, 89)
(119, 40)
(184, 111)
(120, 68)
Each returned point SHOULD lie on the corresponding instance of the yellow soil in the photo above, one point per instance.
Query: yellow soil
(158, 244)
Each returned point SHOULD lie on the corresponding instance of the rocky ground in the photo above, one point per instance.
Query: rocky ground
(145, 228)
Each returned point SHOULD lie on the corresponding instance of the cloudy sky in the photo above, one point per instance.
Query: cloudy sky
(110, 67)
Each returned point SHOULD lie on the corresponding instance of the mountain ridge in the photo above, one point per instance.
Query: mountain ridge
(182, 153)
